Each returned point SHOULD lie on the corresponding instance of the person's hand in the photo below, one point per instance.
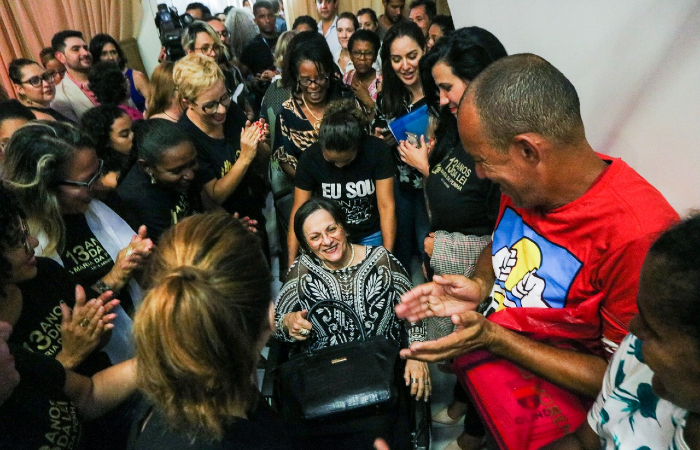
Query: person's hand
(9, 377)
(417, 376)
(132, 256)
(386, 135)
(473, 332)
(250, 224)
(445, 296)
(380, 444)
(267, 74)
(429, 243)
(414, 156)
(296, 325)
(83, 327)
(361, 92)
(250, 137)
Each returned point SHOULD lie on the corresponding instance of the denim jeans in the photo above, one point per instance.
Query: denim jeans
(412, 224)
(374, 239)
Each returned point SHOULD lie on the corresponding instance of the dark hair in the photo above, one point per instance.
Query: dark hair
(97, 123)
(308, 20)
(394, 93)
(99, 41)
(343, 127)
(160, 136)
(351, 17)
(526, 94)
(365, 36)
(200, 6)
(13, 109)
(262, 4)
(466, 52)
(227, 9)
(430, 7)
(310, 46)
(58, 41)
(310, 207)
(107, 82)
(10, 211)
(372, 15)
(14, 70)
(678, 280)
(445, 23)
(46, 54)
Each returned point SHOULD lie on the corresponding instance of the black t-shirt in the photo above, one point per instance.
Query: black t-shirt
(38, 415)
(39, 325)
(258, 55)
(217, 156)
(153, 205)
(459, 200)
(262, 430)
(86, 259)
(352, 186)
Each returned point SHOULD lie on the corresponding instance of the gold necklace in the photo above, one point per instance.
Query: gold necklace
(316, 126)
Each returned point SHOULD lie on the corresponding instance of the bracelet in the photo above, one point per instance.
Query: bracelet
(101, 286)
(280, 324)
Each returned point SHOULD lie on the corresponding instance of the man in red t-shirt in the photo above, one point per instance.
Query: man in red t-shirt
(574, 226)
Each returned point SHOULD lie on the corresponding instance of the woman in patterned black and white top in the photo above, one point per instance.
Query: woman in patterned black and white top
(368, 279)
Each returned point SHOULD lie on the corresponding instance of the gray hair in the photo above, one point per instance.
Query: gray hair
(526, 94)
(241, 27)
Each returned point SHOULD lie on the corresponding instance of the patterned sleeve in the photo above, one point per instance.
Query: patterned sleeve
(287, 300)
(282, 142)
(401, 284)
(456, 253)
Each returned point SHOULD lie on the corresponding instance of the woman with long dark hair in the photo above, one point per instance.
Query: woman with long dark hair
(402, 93)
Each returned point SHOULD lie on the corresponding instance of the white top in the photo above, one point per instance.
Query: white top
(332, 38)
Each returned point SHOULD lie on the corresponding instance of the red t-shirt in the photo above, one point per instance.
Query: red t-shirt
(572, 273)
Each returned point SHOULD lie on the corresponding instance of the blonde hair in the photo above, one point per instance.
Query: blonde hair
(194, 74)
(281, 47)
(163, 89)
(34, 164)
(198, 330)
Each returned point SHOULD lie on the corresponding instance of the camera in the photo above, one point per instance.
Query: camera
(170, 28)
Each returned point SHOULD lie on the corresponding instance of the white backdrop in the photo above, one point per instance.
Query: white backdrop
(636, 67)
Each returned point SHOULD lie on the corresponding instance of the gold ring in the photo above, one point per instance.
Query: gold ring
(129, 251)
(414, 380)
(84, 323)
(303, 331)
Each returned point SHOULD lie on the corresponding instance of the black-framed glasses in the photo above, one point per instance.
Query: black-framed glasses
(49, 76)
(92, 180)
(212, 107)
(319, 81)
(362, 55)
(223, 34)
(207, 49)
(23, 239)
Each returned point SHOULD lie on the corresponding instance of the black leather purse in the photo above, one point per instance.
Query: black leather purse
(352, 379)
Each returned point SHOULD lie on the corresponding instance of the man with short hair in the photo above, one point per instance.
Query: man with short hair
(327, 26)
(258, 55)
(198, 11)
(73, 96)
(422, 13)
(572, 233)
(393, 14)
(220, 29)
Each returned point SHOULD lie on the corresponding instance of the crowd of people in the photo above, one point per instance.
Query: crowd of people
(135, 248)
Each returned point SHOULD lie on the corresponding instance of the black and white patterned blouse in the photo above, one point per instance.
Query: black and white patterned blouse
(372, 288)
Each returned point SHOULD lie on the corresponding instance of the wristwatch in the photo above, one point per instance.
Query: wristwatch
(102, 287)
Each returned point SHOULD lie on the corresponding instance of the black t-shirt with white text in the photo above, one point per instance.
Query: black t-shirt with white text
(38, 415)
(39, 325)
(459, 201)
(86, 259)
(352, 186)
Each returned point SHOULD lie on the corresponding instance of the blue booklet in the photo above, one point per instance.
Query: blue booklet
(415, 122)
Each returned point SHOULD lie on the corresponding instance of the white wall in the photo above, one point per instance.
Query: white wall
(636, 67)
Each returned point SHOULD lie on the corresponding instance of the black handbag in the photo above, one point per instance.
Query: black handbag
(342, 381)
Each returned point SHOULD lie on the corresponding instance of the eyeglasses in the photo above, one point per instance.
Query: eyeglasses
(223, 34)
(23, 240)
(212, 107)
(207, 49)
(59, 74)
(320, 81)
(49, 76)
(92, 181)
(362, 55)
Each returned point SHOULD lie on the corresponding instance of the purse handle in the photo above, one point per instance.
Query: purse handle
(342, 306)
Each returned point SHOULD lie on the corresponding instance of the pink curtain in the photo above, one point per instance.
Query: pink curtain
(28, 25)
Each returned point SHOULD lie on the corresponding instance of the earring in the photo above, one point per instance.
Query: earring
(153, 180)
